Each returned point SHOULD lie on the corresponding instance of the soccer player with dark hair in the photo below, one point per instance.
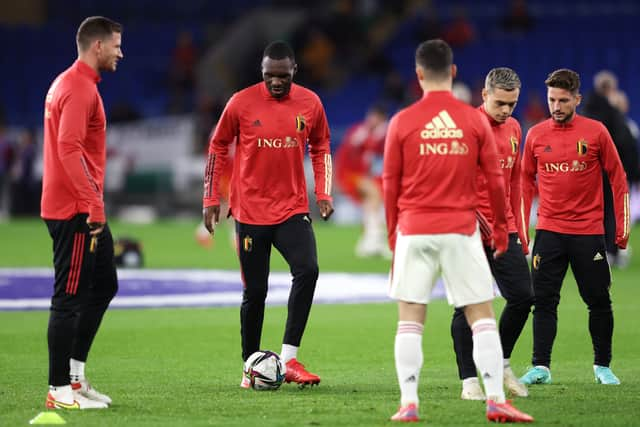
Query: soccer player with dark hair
(73, 209)
(500, 95)
(433, 151)
(566, 155)
(272, 123)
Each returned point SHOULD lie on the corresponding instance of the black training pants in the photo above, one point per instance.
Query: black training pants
(85, 283)
(295, 240)
(552, 254)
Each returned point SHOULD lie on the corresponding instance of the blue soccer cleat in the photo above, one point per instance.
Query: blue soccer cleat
(604, 375)
(537, 375)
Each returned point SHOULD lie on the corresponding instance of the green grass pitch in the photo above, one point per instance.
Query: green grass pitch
(182, 367)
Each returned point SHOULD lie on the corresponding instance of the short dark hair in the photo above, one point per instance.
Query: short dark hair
(436, 57)
(95, 28)
(279, 49)
(564, 78)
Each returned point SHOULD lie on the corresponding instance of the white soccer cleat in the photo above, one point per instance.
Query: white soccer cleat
(513, 385)
(84, 389)
(79, 402)
(471, 390)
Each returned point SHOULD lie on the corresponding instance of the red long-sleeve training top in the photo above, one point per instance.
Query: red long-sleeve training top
(507, 136)
(568, 160)
(431, 158)
(268, 183)
(74, 146)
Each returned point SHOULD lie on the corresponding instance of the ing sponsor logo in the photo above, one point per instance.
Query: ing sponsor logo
(565, 167)
(286, 142)
(453, 148)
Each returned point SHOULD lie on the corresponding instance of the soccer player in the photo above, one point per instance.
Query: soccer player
(432, 154)
(500, 96)
(566, 154)
(273, 122)
(358, 173)
(72, 207)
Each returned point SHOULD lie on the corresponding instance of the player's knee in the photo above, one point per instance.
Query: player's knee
(61, 311)
(308, 272)
(522, 303)
(67, 304)
(601, 304)
(111, 291)
(546, 302)
(254, 294)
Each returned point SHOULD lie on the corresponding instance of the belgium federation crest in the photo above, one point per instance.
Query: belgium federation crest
(514, 145)
(582, 147)
(247, 244)
(300, 123)
(536, 261)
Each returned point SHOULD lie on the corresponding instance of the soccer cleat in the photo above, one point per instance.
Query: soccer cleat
(471, 390)
(506, 413)
(604, 375)
(513, 385)
(537, 375)
(298, 374)
(406, 414)
(79, 402)
(83, 388)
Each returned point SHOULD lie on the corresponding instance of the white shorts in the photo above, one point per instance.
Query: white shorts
(420, 259)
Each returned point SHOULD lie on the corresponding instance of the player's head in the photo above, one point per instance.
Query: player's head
(563, 94)
(434, 63)
(100, 39)
(376, 115)
(619, 100)
(278, 68)
(605, 82)
(500, 93)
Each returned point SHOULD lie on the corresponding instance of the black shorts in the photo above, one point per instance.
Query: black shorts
(82, 274)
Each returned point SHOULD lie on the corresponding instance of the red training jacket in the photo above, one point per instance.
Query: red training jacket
(74, 146)
(567, 160)
(268, 183)
(432, 154)
(507, 136)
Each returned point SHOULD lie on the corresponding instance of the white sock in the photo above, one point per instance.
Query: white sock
(76, 370)
(62, 393)
(408, 356)
(288, 352)
(487, 355)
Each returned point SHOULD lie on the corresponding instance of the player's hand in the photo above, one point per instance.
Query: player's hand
(326, 208)
(211, 216)
(95, 228)
(501, 242)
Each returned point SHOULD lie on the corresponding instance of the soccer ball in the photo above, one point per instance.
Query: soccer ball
(265, 370)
